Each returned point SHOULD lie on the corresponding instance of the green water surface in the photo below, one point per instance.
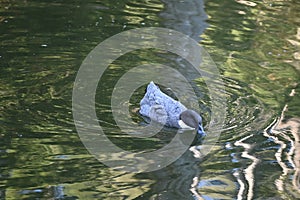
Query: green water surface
(256, 46)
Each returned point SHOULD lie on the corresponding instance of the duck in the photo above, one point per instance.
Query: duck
(165, 110)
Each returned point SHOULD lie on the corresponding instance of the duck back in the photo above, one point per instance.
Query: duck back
(160, 107)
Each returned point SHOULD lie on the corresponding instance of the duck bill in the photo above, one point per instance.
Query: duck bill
(201, 130)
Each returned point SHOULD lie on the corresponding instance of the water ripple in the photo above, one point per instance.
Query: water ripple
(286, 135)
(249, 171)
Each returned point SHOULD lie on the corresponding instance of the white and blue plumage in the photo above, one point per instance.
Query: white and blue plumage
(165, 110)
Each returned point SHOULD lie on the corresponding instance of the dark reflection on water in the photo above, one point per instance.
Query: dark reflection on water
(256, 46)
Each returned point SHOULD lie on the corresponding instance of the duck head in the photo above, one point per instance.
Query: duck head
(192, 119)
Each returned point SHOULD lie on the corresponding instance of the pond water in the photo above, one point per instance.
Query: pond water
(256, 46)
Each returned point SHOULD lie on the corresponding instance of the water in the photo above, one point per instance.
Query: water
(254, 44)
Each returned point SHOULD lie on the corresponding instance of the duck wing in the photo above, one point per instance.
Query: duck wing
(160, 107)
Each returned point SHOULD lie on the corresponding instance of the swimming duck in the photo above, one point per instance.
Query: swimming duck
(165, 110)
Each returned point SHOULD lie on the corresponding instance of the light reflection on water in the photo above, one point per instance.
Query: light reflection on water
(256, 46)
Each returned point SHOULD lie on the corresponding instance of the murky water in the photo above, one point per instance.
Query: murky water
(256, 46)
